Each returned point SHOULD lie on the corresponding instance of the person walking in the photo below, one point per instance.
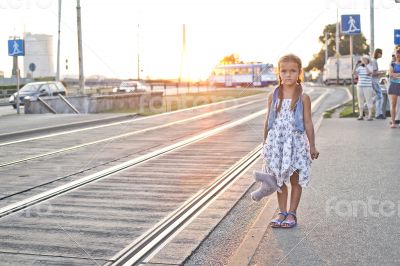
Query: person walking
(394, 87)
(289, 141)
(375, 84)
(364, 87)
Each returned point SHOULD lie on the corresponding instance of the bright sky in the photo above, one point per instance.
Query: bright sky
(257, 30)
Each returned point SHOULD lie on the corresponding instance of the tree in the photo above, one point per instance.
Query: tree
(230, 60)
(360, 46)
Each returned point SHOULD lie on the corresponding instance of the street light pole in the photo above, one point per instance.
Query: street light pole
(138, 54)
(80, 54)
(58, 44)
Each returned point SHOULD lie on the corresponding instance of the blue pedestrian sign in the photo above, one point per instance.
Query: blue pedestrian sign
(16, 48)
(397, 37)
(351, 24)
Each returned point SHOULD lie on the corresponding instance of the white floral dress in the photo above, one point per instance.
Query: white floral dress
(286, 150)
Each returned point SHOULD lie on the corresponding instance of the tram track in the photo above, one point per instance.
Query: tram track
(109, 171)
(67, 132)
(109, 139)
(11, 208)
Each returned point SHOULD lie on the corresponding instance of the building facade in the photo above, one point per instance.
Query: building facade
(38, 51)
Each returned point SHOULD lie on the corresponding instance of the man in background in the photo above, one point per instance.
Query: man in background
(376, 74)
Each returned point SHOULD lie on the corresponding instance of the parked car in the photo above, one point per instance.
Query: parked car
(34, 90)
(131, 86)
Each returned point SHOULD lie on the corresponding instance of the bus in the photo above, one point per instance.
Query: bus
(245, 75)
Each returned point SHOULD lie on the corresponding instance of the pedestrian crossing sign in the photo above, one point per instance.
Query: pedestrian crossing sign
(351, 24)
(16, 48)
(397, 36)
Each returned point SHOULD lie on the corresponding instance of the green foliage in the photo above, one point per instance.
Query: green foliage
(360, 46)
(45, 79)
(230, 60)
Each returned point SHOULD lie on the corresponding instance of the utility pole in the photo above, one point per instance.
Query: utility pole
(183, 55)
(80, 54)
(138, 54)
(58, 44)
(372, 46)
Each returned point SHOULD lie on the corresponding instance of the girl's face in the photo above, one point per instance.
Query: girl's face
(398, 57)
(289, 73)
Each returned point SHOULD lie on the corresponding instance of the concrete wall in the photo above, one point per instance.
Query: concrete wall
(95, 104)
(13, 81)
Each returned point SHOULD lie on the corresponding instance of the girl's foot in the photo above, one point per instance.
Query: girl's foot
(290, 221)
(276, 223)
(393, 126)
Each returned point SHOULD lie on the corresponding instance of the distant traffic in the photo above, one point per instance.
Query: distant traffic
(257, 75)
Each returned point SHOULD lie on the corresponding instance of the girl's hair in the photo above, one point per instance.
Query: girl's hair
(285, 59)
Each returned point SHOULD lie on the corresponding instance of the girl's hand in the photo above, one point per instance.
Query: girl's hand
(314, 153)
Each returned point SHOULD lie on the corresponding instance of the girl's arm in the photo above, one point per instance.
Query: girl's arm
(266, 120)
(309, 126)
(392, 74)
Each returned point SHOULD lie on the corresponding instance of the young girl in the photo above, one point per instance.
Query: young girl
(289, 142)
(394, 88)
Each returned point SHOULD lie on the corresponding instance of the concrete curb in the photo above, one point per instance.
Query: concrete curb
(67, 126)
(339, 105)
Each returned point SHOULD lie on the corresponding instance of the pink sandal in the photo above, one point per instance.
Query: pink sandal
(289, 224)
(276, 223)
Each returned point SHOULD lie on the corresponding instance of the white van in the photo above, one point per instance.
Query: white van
(329, 75)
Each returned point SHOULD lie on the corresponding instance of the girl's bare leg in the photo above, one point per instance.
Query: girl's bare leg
(295, 194)
(393, 102)
(282, 200)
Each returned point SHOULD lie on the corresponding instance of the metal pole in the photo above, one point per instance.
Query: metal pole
(17, 86)
(58, 44)
(372, 46)
(337, 46)
(352, 66)
(80, 54)
(138, 56)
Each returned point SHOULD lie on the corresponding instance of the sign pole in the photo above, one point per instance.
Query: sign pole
(17, 85)
(352, 66)
(337, 47)
(16, 47)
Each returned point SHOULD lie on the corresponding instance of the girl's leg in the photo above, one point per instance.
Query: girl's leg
(393, 102)
(282, 198)
(295, 194)
(282, 202)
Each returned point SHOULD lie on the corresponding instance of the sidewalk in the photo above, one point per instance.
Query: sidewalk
(350, 213)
